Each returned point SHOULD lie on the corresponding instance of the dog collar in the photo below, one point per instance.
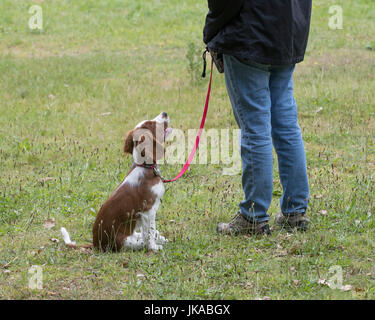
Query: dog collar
(154, 167)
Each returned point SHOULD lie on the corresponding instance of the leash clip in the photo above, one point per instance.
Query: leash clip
(156, 171)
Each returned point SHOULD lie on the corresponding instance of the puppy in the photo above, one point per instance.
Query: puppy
(127, 218)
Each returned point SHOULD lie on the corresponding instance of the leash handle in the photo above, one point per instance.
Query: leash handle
(204, 62)
(192, 153)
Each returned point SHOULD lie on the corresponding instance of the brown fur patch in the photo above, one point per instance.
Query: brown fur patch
(118, 216)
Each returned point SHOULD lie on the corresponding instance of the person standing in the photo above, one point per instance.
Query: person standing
(259, 43)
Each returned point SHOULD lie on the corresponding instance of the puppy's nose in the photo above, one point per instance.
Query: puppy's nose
(164, 115)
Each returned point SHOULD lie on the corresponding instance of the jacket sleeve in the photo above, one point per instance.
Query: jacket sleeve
(220, 12)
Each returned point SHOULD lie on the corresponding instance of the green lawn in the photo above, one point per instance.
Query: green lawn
(69, 94)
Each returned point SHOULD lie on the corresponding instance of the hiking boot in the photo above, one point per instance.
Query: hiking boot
(239, 225)
(298, 221)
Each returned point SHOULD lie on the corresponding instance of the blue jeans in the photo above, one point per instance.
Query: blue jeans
(266, 112)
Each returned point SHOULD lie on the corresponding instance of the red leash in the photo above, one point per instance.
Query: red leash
(191, 156)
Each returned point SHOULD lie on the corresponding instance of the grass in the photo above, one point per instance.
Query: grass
(69, 94)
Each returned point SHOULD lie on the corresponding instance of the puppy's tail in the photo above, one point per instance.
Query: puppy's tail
(66, 238)
(70, 243)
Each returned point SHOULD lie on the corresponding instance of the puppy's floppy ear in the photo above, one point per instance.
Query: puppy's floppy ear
(129, 143)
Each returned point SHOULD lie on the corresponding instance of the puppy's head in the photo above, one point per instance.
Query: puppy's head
(145, 141)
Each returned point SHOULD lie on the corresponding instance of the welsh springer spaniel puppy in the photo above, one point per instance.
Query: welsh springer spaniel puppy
(127, 218)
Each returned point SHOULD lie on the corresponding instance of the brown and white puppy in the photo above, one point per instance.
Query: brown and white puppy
(127, 218)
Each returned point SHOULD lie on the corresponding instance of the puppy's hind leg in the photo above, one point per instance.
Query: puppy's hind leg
(135, 240)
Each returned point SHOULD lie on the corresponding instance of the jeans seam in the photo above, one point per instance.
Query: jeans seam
(238, 110)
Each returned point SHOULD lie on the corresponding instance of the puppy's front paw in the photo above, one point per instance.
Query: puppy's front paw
(159, 239)
(155, 247)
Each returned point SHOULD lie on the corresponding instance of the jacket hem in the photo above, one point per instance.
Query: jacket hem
(257, 59)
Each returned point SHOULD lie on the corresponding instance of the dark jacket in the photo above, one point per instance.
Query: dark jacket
(264, 31)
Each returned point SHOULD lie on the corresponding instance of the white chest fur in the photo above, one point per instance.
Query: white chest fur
(148, 235)
(158, 190)
(134, 178)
